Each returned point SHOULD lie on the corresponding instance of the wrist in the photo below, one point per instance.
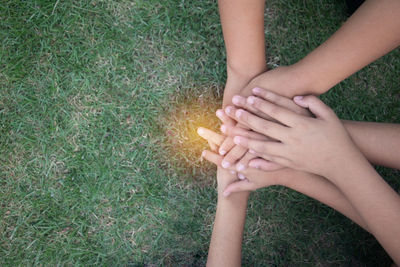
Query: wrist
(343, 167)
(237, 80)
(305, 80)
(312, 80)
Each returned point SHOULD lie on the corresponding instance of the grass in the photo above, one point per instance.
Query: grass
(99, 161)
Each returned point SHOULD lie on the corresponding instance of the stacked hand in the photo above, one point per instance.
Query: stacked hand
(278, 132)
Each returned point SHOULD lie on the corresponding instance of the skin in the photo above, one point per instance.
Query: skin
(321, 145)
(372, 31)
(312, 185)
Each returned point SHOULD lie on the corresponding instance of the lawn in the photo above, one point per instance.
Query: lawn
(99, 160)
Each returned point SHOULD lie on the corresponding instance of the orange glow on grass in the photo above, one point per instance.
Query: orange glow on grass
(184, 145)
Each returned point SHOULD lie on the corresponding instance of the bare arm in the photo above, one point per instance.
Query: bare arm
(243, 28)
(371, 32)
(226, 240)
(379, 142)
(374, 199)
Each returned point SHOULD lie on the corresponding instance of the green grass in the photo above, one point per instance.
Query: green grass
(99, 163)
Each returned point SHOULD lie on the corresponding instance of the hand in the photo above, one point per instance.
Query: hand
(317, 145)
(285, 80)
(237, 151)
(250, 178)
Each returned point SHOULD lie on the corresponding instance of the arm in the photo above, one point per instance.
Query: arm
(379, 142)
(243, 29)
(371, 32)
(226, 240)
(373, 198)
(312, 185)
(321, 145)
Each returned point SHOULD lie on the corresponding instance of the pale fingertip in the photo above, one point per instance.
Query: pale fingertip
(232, 172)
(200, 131)
(298, 98)
(251, 100)
(236, 100)
(219, 113)
(222, 152)
(254, 165)
(256, 90)
(225, 164)
(228, 110)
(251, 151)
(239, 113)
(203, 154)
(240, 167)
(241, 176)
(236, 140)
(226, 193)
(223, 128)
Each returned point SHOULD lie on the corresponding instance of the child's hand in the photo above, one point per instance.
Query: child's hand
(250, 179)
(317, 145)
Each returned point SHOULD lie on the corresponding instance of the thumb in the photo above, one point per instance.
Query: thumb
(239, 186)
(315, 105)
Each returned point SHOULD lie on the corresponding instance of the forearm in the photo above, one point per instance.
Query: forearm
(373, 198)
(379, 142)
(226, 241)
(243, 29)
(372, 31)
(321, 189)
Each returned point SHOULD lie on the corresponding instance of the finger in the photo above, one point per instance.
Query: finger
(274, 149)
(265, 127)
(225, 119)
(240, 101)
(215, 158)
(226, 146)
(283, 115)
(280, 101)
(211, 136)
(230, 112)
(213, 146)
(234, 155)
(233, 131)
(315, 105)
(242, 164)
(239, 186)
(264, 165)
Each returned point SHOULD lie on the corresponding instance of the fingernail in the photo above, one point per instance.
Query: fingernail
(203, 154)
(298, 98)
(236, 100)
(225, 164)
(239, 113)
(240, 167)
(251, 100)
(256, 90)
(228, 110)
(222, 152)
(237, 140)
(226, 193)
(200, 131)
(241, 176)
(251, 151)
(232, 172)
(219, 113)
(223, 128)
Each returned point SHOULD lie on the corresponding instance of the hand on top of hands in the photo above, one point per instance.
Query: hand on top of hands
(314, 144)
